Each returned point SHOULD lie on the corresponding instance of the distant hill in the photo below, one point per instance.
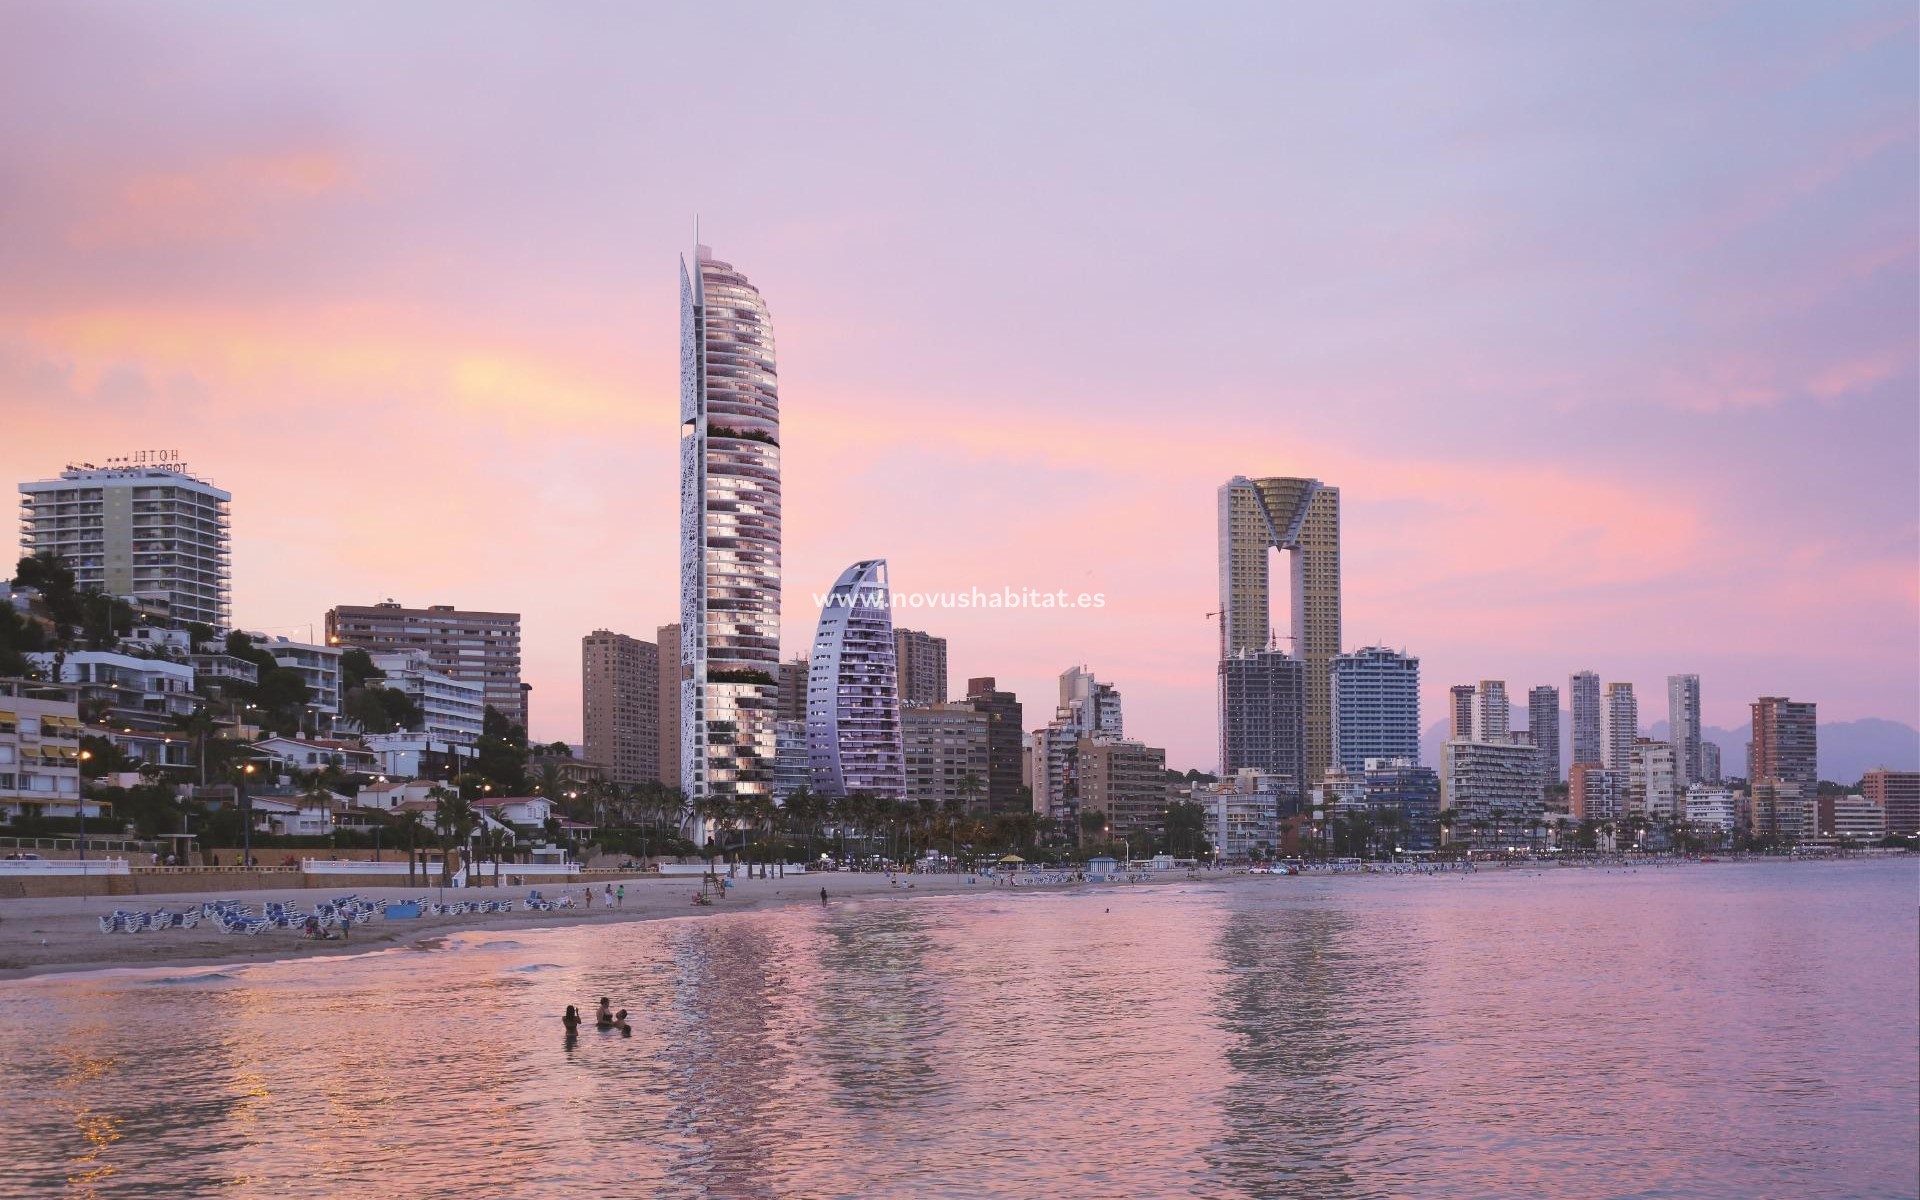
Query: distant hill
(1848, 749)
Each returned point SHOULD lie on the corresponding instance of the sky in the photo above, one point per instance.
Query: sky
(1601, 317)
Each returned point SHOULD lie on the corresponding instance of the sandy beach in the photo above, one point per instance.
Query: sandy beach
(59, 934)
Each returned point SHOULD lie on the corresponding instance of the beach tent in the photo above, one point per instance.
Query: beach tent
(1011, 858)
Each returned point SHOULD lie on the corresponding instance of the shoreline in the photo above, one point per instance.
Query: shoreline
(49, 936)
(57, 936)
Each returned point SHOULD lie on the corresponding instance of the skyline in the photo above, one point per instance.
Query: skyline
(1658, 297)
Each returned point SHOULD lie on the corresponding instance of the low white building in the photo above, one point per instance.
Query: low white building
(411, 754)
(454, 709)
(1243, 812)
(143, 692)
(318, 668)
(525, 812)
(300, 754)
(1712, 809)
(390, 794)
(40, 751)
(305, 816)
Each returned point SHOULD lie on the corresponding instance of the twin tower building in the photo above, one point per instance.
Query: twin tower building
(729, 652)
(1277, 706)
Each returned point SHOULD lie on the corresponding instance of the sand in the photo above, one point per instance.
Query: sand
(56, 934)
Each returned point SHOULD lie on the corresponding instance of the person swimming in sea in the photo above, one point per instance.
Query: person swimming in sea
(604, 1017)
(572, 1019)
(620, 1023)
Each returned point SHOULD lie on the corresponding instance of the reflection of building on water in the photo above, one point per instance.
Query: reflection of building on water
(728, 1055)
(878, 1010)
(1293, 992)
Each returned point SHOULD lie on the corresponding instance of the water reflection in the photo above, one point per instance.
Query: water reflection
(1310, 1013)
(1580, 1038)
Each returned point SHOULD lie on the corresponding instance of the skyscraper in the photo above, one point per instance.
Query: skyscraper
(1460, 711)
(1785, 746)
(1683, 728)
(793, 689)
(853, 702)
(1376, 707)
(1005, 719)
(1263, 696)
(922, 662)
(482, 647)
(1583, 694)
(1301, 517)
(1543, 722)
(1089, 706)
(1492, 712)
(1621, 727)
(729, 534)
(149, 533)
(620, 705)
(667, 637)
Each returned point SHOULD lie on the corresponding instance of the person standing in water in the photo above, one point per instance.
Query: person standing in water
(604, 1017)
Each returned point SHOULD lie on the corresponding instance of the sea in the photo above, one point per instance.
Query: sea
(1737, 1030)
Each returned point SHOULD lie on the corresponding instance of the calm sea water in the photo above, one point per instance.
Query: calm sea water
(1714, 1031)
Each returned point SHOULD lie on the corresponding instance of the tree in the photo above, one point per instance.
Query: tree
(501, 757)
(409, 822)
(454, 819)
(357, 669)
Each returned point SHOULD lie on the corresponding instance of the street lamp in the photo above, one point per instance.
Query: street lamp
(85, 757)
(246, 818)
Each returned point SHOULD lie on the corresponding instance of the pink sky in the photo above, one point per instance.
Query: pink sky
(1602, 321)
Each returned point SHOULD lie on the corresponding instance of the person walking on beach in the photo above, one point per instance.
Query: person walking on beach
(823, 895)
(589, 898)
(608, 897)
(620, 897)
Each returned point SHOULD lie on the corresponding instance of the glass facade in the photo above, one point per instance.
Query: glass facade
(730, 534)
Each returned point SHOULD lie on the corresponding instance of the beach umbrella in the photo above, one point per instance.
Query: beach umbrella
(1011, 858)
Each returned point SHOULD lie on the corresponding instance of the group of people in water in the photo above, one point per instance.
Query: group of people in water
(605, 1019)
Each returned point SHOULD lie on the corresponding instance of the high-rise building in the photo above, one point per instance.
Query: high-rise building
(1263, 699)
(853, 702)
(1492, 713)
(1543, 723)
(1493, 791)
(1412, 794)
(1597, 794)
(791, 769)
(1652, 789)
(946, 754)
(1683, 728)
(729, 534)
(1709, 762)
(1898, 793)
(1004, 733)
(482, 647)
(793, 689)
(1583, 696)
(620, 705)
(1460, 711)
(922, 662)
(1376, 707)
(1620, 727)
(1785, 743)
(1302, 518)
(1087, 705)
(152, 534)
(1126, 783)
(668, 706)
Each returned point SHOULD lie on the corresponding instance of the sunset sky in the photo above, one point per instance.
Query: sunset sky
(1601, 317)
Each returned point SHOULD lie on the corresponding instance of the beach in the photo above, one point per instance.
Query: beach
(62, 933)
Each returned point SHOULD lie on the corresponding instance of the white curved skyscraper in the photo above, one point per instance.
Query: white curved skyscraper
(729, 534)
(853, 699)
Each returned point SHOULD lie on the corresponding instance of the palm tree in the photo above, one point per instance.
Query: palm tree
(455, 820)
(409, 823)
